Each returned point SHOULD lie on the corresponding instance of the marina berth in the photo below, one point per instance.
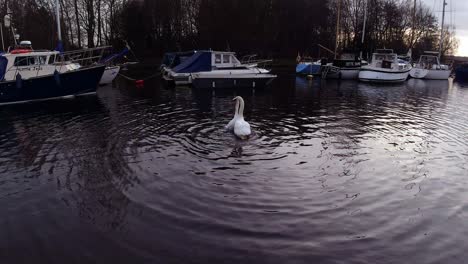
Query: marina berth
(385, 67)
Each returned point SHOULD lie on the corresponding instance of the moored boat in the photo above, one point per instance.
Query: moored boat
(461, 73)
(385, 67)
(348, 67)
(29, 75)
(308, 67)
(112, 70)
(238, 77)
(216, 69)
(429, 67)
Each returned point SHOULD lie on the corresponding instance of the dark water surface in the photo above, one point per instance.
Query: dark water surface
(335, 173)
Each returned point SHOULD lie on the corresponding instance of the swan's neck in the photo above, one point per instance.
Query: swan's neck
(241, 109)
(236, 113)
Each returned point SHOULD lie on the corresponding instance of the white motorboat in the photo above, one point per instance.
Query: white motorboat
(385, 67)
(429, 67)
(215, 69)
(234, 77)
(110, 73)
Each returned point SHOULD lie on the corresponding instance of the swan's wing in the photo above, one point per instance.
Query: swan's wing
(230, 125)
(242, 129)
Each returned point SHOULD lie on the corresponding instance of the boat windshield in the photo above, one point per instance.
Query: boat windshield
(425, 59)
(382, 57)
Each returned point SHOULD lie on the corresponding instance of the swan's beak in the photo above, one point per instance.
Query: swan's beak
(235, 98)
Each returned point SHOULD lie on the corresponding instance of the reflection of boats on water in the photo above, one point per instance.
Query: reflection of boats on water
(422, 84)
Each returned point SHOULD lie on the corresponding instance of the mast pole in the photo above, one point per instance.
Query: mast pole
(414, 25)
(59, 30)
(364, 27)
(338, 28)
(1, 32)
(441, 45)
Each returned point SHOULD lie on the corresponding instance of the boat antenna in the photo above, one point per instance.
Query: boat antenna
(59, 30)
(363, 27)
(441, 45)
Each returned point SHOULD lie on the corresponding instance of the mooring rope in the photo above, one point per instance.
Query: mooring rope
(144, 79)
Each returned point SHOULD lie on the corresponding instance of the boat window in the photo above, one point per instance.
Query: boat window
(379, 57)
(30, 60)
(52, 59)
(41, 60)
(24, 61)
(217, 58)
(226, 58)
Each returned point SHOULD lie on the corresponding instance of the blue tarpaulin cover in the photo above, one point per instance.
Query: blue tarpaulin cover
(199, 62)
(3, 67)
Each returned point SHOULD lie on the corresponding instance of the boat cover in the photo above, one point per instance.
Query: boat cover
(3, 67)
(199, 62)
(172, 59)
(115, 56)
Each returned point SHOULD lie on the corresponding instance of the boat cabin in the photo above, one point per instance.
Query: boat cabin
(384, 58)
(430, 61)
(348, 60)
(203, 61)
(28, 64)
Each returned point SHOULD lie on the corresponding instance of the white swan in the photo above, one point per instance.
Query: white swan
(230, 125)
(241, 127)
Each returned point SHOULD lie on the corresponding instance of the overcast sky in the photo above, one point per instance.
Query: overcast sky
(457, 13)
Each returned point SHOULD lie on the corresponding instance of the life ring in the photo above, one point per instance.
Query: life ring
(20, 51)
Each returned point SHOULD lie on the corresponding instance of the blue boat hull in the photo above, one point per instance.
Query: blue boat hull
(461, 74)
(82, 81)
(308, 68)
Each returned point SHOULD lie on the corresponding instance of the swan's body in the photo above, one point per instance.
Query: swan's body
(230, 125)
(241, 127)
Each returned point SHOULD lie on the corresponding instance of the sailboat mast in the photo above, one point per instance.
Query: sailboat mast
(59, 30)
(363, 27)
(442, 30)
(414, 25)
(338, 27)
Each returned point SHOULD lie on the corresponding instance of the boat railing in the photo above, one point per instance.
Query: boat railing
(84, 57)
(252, 60)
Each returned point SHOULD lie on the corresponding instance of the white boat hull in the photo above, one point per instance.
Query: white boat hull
(369, 74)
(419, 73)
(109, 75)
(251, 77)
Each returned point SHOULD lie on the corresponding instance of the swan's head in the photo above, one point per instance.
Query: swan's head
(238, 98)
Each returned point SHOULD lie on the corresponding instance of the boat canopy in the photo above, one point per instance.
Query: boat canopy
(200, 61)
(172, 59)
